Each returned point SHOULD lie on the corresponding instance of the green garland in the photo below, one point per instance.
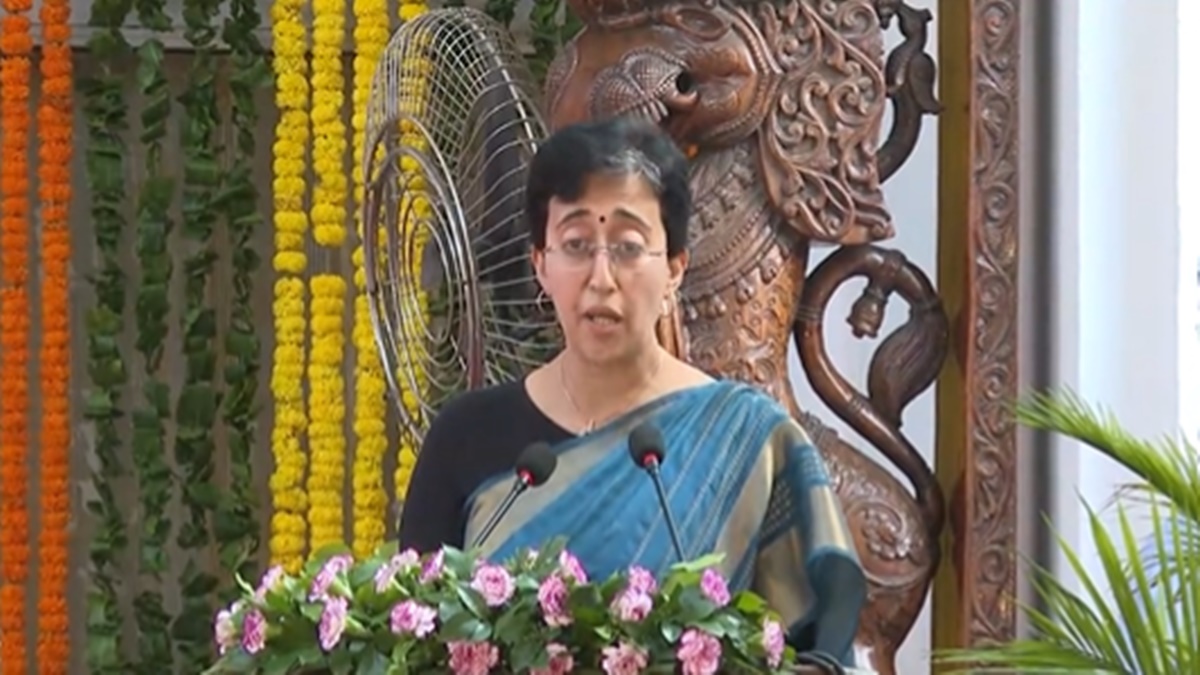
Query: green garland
(236, 525)
(155, 482)
(104, 108)
(196, 409)
(547, 35)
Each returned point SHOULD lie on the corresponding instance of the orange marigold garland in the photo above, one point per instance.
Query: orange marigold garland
(16, 43)
(54, 192)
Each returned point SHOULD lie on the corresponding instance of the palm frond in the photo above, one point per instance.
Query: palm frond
(1169, 468)
(1141, 614)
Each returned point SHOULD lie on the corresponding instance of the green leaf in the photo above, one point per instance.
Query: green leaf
(699, 564)
(372, 663)
(692, 607)
(472, 600)
(279, 664)
(749, 603)
(1144, 620)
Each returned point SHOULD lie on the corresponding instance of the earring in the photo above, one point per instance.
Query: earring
(668, 305)
(542, 301)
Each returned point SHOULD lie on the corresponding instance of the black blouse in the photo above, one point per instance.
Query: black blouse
(476, 436)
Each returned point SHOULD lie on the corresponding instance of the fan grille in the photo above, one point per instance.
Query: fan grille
(452, 123)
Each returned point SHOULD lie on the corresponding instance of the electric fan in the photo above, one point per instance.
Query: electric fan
(452, 123)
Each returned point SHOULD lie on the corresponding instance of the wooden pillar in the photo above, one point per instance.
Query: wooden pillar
(979, 47)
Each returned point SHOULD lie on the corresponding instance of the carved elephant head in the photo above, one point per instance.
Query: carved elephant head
(801, 80)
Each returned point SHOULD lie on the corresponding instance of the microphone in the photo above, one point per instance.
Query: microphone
(646, 450)
(534, 467)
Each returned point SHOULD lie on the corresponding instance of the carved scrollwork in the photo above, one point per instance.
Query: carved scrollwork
(905, 364)
(989, 562)
(818, 147)
(911, 75)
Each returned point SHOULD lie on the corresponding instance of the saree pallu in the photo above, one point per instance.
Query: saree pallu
(742, 479)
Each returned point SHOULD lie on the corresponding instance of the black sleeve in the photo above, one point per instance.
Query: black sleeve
(432, 515)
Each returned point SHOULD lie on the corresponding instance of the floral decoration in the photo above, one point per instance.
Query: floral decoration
(55, 122)
(289, 526)
(156, 484)
(538, 613)
(326, 389)
(107, 366)
(16, 43)
(414, 213)
(236, 524)
(371, 23)
(197, 407)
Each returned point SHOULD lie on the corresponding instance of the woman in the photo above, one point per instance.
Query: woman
(608, 205)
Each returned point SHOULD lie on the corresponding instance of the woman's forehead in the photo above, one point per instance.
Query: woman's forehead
(626, 198)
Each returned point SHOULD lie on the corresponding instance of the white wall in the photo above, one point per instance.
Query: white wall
(1117, 246)
(1189, 219)
(911, 195)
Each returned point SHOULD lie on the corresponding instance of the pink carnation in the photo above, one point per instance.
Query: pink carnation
(561, 662)
(640, 579)
(772, 642)
(413, 618)
(269, 583)
(254, 631)
(699, 653)
(329, 572)
(624, 659)
(432, 570)
(225, 630)
(401, 562)
(494, 583)
(632, 605)
(473, 658)
(333, 623)
(571, 568)
(552, 597)
(713, 586)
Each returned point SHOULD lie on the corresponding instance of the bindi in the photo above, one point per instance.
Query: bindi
(603, 219)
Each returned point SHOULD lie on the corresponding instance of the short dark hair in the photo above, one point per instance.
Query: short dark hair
(614, 146)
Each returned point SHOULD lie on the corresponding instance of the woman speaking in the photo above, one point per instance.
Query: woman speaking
(608, 206)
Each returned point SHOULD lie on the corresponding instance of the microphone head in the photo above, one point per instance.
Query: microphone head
(646, 445)
(536, 464)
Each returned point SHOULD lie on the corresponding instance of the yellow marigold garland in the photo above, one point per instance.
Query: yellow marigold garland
(54, 176)
(289, 501)
(326, 404)
(413, 94)
(370, 498)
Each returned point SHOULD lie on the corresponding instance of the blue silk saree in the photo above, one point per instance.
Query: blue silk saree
(742, 479)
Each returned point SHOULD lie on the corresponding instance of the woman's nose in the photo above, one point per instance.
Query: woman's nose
(601, 277)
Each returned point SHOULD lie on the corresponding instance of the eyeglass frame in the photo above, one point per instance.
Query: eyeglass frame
(614, 260)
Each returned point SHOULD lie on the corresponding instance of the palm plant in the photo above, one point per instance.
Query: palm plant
(1141, 615)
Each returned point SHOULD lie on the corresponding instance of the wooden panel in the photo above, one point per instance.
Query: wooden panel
(977, 275)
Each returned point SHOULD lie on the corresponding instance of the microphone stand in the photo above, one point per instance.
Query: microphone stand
(493, 522)
(656, 477)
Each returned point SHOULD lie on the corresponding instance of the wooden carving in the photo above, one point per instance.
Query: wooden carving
(781, 103)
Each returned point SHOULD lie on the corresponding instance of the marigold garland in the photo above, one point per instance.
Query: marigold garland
(326, 389)
(289, 500)
(54, 191)
(370, 412)
(16, 44)
(413, 93)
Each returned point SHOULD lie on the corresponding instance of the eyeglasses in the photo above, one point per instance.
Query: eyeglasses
(579, 253)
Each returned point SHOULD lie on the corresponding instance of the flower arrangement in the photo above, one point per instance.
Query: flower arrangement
(454, 612)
